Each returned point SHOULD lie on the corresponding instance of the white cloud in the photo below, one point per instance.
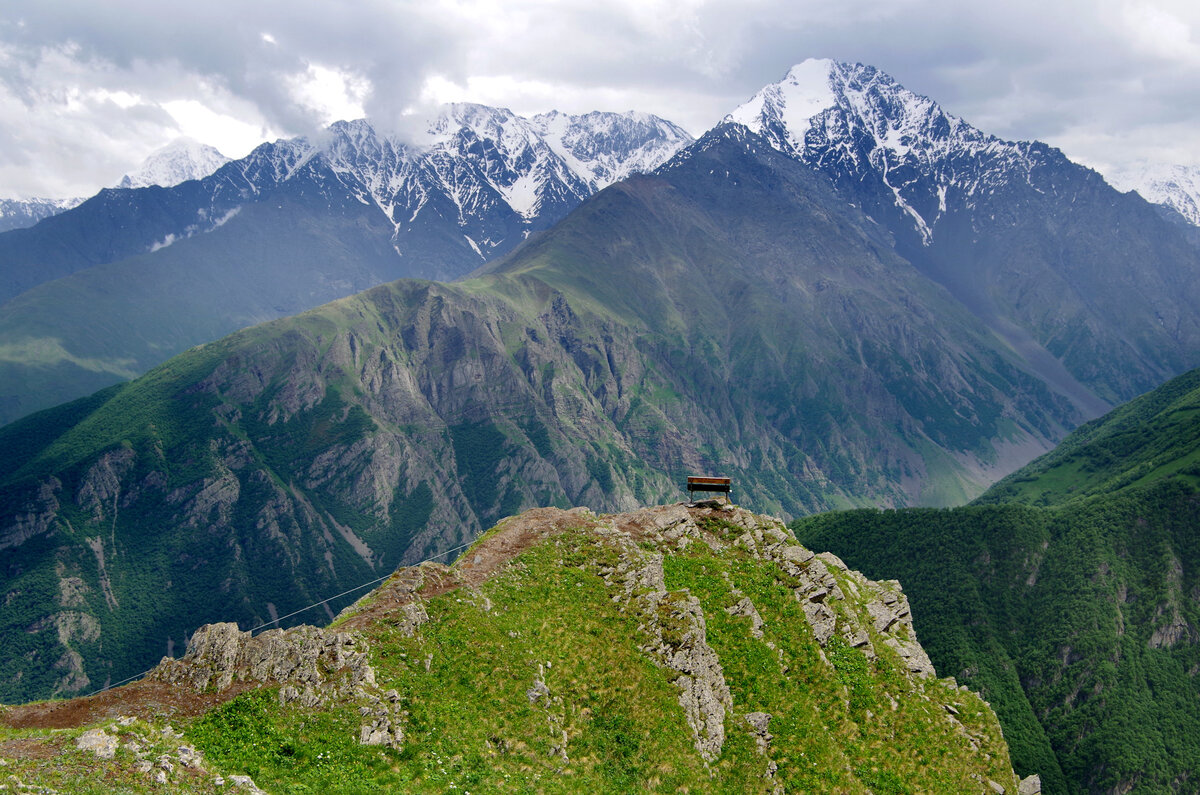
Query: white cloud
(233, 135)
(1160, 32)
(330, 92)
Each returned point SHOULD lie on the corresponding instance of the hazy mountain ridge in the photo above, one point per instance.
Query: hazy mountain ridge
(22, 213)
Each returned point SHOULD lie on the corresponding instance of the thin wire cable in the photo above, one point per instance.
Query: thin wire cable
(294, 612)
(352, 590)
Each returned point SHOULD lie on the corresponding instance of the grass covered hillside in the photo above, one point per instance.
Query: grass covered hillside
(670, 649)
(1069, 595)
(1151, 439)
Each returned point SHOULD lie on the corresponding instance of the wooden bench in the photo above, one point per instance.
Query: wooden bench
(695, 484)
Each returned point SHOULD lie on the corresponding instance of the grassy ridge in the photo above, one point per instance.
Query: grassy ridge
(1155, 437)
(539, 680)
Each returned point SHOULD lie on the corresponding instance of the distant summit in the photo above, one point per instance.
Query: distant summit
(1039, 247)
(22, 213)
(604, 148)
(179, 161)
(1176, 187)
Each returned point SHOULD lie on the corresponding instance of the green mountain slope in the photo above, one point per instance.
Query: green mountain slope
(668, 649)
(659, 331)
(1153, 438)
(1078, 621)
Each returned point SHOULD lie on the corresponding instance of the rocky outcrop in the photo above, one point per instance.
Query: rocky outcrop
(563, 637)
(314, 668)
(313, 665)
(674, 625)
(871, 613)
(99, 493)
(35, 517)
(1030, 785)
(836, 601)
(99, 742)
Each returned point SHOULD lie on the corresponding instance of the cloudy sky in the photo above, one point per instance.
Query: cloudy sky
(88, 89)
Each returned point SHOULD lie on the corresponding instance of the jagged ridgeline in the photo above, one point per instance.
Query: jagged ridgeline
(667, 649)
(763, 331)
(102, 293)
(1069, 595)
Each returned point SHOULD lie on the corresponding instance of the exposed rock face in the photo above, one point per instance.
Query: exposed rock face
(313, 664)
(100, 491)
(882, 606)
(674, 623)
(35, 517)
(1031, 785)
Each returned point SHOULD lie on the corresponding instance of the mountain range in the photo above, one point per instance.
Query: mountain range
(801, 319)
(841, 296)
(130, 277)
(298, 223)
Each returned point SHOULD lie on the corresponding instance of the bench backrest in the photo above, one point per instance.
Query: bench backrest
(709, 484)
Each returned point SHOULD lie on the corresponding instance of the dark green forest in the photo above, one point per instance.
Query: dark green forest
(1067, 595)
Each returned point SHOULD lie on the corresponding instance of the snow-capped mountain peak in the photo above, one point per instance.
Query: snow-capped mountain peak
(489, 173)
(21, 213)
(179, 161)
(477, 156)
(603, 147)
(853, 121)
(790, 105)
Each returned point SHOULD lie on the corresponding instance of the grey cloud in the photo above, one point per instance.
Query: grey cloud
(393, 44)
(1068, 71)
